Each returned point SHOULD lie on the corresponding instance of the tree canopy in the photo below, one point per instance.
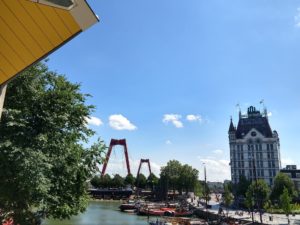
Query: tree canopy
(117, 181)
(152, 181)
(285, 201)
(281, 182)
(257, 192)
(129, 180)
(141, 181)
(242, 186)
(43, 164)
(179, 177)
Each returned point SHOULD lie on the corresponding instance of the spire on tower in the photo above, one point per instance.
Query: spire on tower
(231, 126)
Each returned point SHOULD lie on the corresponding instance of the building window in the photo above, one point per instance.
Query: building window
(260, 147)
(271, 181)
(271, 145)
(273, 164)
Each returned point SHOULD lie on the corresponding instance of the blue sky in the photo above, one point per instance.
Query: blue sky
(156, 62)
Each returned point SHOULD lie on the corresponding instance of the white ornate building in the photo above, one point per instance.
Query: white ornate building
(254, 147)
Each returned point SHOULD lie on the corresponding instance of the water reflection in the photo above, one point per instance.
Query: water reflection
(101, 213)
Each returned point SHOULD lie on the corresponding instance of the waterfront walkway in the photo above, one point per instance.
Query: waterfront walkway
(276, 219)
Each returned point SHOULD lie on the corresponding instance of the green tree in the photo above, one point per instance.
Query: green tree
(285, 202)
(188, 178)
(282, 181)
(152, 181)
(227, 197)
(43, 164)
(96, 181)
(198, 189)
(242, 186)
(141, 181)
(258, 192)
(106, 181)
(117, 181)
(171, 173)
(129, 180)
(249, 201)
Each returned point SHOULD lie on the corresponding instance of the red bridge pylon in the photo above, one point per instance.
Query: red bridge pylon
(114, 142)
(141, 162)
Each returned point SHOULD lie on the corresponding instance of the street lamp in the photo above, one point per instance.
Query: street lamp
(256, 185)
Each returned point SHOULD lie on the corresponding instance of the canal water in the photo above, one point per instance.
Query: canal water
(101, 213)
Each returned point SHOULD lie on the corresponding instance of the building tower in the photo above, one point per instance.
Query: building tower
(254, 148)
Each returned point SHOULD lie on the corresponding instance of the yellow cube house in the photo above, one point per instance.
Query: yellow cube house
(32, 29)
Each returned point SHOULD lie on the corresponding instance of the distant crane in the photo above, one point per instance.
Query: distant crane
(114, 142)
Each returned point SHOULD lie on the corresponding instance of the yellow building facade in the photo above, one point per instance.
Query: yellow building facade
(31, 29)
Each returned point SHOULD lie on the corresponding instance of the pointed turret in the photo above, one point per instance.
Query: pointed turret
(231, 127)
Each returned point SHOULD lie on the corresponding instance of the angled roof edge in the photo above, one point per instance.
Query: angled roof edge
(83, 14)
(80, 10)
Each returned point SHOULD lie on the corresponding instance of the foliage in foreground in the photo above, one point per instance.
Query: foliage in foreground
(43, 164)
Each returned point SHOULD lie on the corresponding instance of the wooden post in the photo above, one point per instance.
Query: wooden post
(2, 97)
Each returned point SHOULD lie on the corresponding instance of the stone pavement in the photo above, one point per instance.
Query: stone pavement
(276, 219)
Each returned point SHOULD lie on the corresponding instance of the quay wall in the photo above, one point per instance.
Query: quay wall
(207, 215)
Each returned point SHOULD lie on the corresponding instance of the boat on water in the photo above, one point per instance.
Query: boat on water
(178, 221)
(150, 212)
(165, 212)
(130, 205)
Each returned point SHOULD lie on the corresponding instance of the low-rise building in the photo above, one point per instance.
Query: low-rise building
(293, 173)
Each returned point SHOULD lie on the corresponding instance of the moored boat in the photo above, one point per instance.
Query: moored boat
(151, 212)
(129, 205)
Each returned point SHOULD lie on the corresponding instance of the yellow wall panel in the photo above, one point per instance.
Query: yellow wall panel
(6, 66)
(58, 24)
(69, 21)
(10, 37)
(28, 21)
(11, 55)
(42, 22)
(11, 19)
(3, 76)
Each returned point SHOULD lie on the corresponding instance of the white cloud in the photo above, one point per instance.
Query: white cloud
(297, 18)
(216, 169)
(168, 142)
(193, 118)
(270, 114)
(119, 122)
(93, 121)
(218, 151)
(174, 119)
